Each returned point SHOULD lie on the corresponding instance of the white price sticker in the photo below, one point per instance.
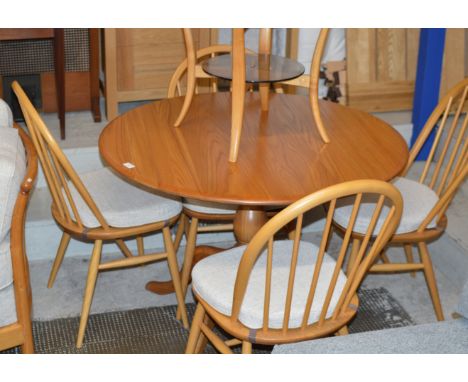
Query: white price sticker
(129, 165)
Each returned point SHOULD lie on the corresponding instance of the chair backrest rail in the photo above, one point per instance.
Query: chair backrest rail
(436, 142)
(448, 154)
(58, 171)
(360, 254)
(446, 175)
(330, 293)
(314, 83)
(318, 265)
(269, 266)
(292, 272)
(340, 259)
(191, 80)
(448, 140)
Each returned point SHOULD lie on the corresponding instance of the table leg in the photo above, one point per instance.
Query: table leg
(248, 220)
(264, 48)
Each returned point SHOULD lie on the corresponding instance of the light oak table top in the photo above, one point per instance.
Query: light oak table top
(281, 155)
(281, 159)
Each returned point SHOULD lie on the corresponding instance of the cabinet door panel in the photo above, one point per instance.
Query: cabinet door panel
(381, 66)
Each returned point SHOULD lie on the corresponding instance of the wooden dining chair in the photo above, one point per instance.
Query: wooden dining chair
(281, 291)
(219, 215)
(425, 200)
(311, 81)
(99, 206)
(16, 298)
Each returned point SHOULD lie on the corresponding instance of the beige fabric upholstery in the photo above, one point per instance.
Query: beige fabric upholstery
(122, 204)
(214, 277)
(418, 200)
(7, 306)
(6, 117)
(209, 207)
(6, 271)
(12, 170)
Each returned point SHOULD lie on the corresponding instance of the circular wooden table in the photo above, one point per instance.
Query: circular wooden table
(281, 157)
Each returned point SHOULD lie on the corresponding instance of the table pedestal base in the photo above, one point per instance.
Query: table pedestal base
(166, 287)
(247, 222)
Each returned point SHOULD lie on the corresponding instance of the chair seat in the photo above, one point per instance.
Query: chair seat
(122, 204)
(418, 200)
(209, 207)
(214, 278)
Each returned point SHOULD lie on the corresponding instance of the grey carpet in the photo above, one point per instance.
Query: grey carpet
(155, 330)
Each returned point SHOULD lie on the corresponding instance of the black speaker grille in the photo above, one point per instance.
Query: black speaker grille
(36, 56)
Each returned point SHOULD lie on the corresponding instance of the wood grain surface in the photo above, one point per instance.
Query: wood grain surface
(281, 155)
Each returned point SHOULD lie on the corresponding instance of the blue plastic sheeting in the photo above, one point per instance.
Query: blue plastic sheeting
(427, 88)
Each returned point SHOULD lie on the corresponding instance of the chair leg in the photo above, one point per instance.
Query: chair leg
(195, 330)
(140, 246)
(431, 281)
(123, 247)
(343, 331)
(202, 339)
(180, 232)
(174, 270)
(58, 258)
(246, 347)
(28, 345)
(89, 291)
(409, 257)
(189, 252)
(354, 251)
(188, 257)
(384, 257)
(186, 226)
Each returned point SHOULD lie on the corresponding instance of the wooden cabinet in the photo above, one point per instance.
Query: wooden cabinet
(381, 66)
(138, 63)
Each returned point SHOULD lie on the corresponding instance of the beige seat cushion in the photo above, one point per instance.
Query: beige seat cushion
(209, 207)
(418, 200)
(122, 204)
(214, 277)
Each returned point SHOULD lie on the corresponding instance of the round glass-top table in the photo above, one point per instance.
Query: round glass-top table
(259, 68)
